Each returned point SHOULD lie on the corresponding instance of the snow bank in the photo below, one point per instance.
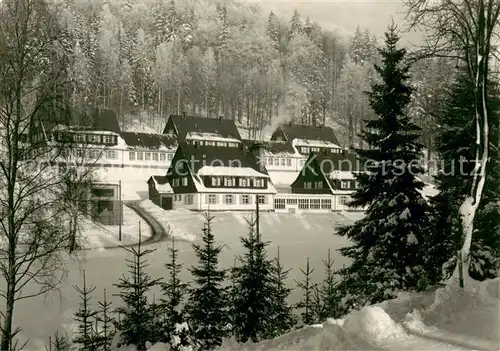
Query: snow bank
(162, 217)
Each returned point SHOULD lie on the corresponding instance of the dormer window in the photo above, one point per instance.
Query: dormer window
(244, 182)
(258, 182)
(229, 181)
(216, 181)
(222, 144)
(79, 138)
(108, 139)
(94, 138)
(304, 150)
(315, 149)
(344, 185)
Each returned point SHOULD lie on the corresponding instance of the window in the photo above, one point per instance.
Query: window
(318, 185)
(188, 199)
(102, 192)
(94, 138)
(95, 154)
(304, 150)
(289, 162)
(108, 139)
(163, 157)
(216, 181)
(177, 197)
(79, 138)
(245, 199)
(228, 199)
(267, 161)
(261, 199)
(258, 183)
(291, 201)
(326, 204)
(276, 161)
(210, 143)
(344, 200)
(221, 143)
(279, 204)
(229, 181)
(303, 204)
(131, 155)
(307, 185)
(176, 182)
(315, 204)
(315, 149)
(184, 181)
(244, 182)
(79, 153)
(233, 144)
(170, 157)
(147, 156)
(170, 132)
(155, 156)
(111, 155)
(283, 162)
(140, 156)
(211, 199)
(344, 185)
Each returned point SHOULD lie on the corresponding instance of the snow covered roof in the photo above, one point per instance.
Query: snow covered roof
(230, 171)
(184, 125)
(283, 178)
(79, 129)
(314, 143)
(161, 184)
(149, 141)
(200, 187)
(293, 131)
(342, 175)
(210, 137)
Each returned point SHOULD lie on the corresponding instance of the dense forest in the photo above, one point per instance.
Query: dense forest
(146, 60)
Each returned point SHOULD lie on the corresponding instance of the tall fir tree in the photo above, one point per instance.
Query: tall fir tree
(455, 141)
(87, 338)
(253, 287)
(106, 320)
(307, 303)
(173, 291)
(387, 245)
(136, 314)
(207, 308)
(283, 316)
(326, 292)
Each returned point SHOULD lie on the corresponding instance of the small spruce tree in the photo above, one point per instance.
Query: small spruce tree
(136, 315)
(283, 317)
(106, 332)
(307, 287)
(85, 316)
(326, 293)
(387, 254)
(58, 343)
(253, 306)
(173, 291)
(207, 305)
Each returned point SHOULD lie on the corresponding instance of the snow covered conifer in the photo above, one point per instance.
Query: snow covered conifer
(456, 136)
(253, 308)
(327, 292)
(387, 245)
(136, 314)
(306, 304)
(207, 306)
(283, 317)
(106, 330)
(87, 338)
(173, 291)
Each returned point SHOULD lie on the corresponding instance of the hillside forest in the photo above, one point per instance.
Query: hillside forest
(148, 59)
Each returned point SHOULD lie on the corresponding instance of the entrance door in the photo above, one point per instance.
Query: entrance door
(166, 202)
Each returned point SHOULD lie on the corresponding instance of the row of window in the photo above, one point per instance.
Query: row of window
(242, 182)
(271, 161)
(149, 156)
(307, 150)
(94, 138)
(306, 204)
(317, 185)
(212, 143)
(230, 199)
(176, 182)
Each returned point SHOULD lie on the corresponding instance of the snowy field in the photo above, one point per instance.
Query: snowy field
(297, 236)
(98, 236)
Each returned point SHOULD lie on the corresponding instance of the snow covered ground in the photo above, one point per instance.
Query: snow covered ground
(446, 319)
(97, 236)
(297, 236)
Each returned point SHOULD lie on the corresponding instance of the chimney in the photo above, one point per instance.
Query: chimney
(258, 151)
(183, 114)
(290, 123)
(221, 118)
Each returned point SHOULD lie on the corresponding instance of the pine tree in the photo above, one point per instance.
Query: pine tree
(282, 313)
(106, 332)
(326, 292)
(207, 305)
(455, 137)
(273, 29)
(252, 307)
(295, 24)
(136, 314)
(58, 343)
(307, 287)
(87, 339)
(387, 245)
(173, 291)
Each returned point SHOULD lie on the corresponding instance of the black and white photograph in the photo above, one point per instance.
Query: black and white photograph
(249, 175)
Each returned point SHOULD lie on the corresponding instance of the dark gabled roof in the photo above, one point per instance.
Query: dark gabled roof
(191, 124)
(273, 146)
(149, 141)
(159, 179)
(329, 162)
(302, 131)
(106, 120)
(218, 156)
